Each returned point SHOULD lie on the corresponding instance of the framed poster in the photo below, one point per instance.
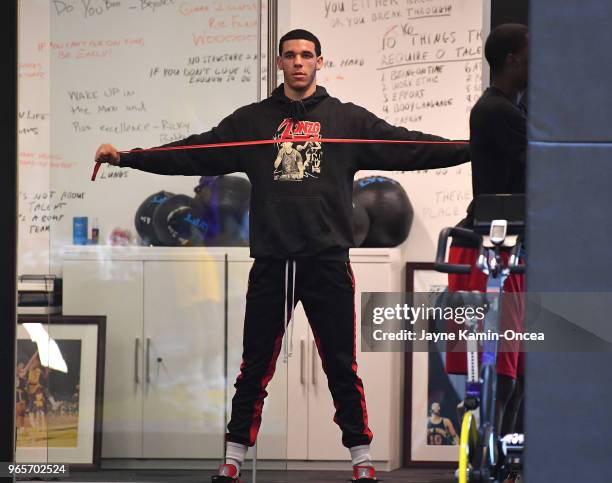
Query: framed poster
(59, 389)
(431, 426)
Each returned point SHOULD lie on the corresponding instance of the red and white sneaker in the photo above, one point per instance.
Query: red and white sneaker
(364, 474)
(227, 474)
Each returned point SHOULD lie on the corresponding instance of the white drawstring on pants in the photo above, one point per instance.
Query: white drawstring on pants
(288, 346)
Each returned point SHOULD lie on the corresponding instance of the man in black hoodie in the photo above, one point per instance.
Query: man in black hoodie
(300, 230)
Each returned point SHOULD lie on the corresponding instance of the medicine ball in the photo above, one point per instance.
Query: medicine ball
(223, 203)
(144, 217)
(176, 225)
(205, 207)
(234, 194)
(361, 223)
(388, 208)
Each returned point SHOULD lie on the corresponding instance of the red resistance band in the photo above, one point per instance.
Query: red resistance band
(279, 141)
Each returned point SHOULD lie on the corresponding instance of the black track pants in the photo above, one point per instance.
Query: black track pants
(326, 290)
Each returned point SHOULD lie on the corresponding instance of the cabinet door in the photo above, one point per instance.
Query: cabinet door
(272, 439)
(324, 436)
(183, 410)
(115, 289)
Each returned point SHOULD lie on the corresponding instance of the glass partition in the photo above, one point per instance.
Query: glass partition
(137, 367)
(37, 359)
(141, 361)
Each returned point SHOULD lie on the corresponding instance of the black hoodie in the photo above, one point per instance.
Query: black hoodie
(301, 193)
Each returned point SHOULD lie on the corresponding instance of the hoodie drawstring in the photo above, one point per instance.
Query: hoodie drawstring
(288, 345)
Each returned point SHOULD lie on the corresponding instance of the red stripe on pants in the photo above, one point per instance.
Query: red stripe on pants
(359, 384)
(258, 408)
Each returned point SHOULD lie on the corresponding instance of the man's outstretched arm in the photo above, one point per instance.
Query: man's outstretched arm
(188, 162)
(425, 153)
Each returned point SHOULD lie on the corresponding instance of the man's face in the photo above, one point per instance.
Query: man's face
(299, 63)
(435, 408)
(287, 147)
(519, 66)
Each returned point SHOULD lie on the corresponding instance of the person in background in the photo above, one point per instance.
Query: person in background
(498, 143)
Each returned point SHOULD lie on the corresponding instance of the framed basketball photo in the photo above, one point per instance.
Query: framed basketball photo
(431, 423)
(59, 384)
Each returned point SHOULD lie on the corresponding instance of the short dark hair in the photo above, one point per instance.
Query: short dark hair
(505, 39)
(300, 34)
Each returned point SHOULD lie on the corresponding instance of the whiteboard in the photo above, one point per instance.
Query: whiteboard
(133, 73)
(139, 73)
(414, 63)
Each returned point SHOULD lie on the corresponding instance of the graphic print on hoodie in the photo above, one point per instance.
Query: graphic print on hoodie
(298, 161)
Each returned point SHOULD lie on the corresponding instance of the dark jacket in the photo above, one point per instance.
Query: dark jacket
(498, 145)
(498, 141)
(301, 194)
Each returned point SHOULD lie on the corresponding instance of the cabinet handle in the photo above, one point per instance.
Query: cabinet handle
(136, 366)
(148, 357)
(302, 361)
(314, 362)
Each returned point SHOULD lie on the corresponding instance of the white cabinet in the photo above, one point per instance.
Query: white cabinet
(183, 404)
(115, 290)
(165, 348)
(174, 347)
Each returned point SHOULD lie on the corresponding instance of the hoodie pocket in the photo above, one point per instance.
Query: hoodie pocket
(299, 225)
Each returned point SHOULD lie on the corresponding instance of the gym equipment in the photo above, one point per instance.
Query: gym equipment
(234, 194)
(205, 206)
(223, 204)
(481, 450)
(488, 207)
(144, 217)
(388, 208)
(176, 225)
(361, 223)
